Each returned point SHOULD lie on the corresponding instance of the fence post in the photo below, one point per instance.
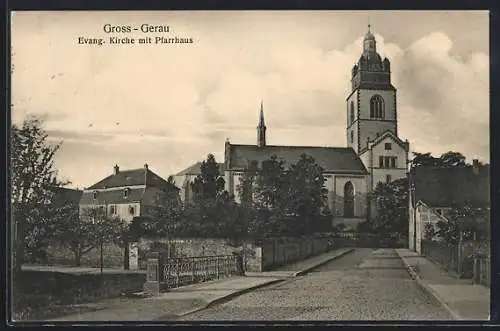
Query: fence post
(154, 274)
(193, 261)
(177, 267)
(217, 266)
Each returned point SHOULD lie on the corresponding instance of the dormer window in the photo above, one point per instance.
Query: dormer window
(126, 192)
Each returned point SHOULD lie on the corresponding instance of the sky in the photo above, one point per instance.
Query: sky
(169, 105)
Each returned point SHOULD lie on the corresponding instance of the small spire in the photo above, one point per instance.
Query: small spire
(261, 128)
(261, 118)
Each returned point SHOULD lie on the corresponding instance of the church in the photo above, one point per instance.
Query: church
(374, 152)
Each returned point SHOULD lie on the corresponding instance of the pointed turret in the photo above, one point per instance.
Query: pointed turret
(261, 128)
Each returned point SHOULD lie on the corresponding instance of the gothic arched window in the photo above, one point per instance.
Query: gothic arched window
(352, 112)
(376, 107)
(348, 200)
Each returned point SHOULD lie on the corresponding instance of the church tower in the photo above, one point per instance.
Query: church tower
(261, 128)
(372, 127)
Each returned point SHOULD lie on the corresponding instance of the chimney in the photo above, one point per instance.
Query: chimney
(117, 169)
(146, 166)
(475, 166)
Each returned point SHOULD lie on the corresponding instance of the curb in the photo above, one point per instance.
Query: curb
(302, 272)
(429, 290)
(227, 297)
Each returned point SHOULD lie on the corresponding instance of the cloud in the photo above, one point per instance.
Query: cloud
(175, 104)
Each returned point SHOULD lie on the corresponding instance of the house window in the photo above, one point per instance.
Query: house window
(388, 179)
(112, 210)
(388, 146)
(131, 210)
(393, 162)
(377, 107)
(126, 192)
(387, 162)
(94, 195)
(352, 136)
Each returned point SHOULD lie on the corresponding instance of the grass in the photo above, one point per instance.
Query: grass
(38, 295)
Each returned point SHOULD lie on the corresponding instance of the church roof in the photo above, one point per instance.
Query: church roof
(332, 159)
(195, 169)
(453, 186)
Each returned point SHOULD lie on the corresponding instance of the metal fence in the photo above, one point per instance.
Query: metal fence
(164, 273)
(188, 270)
(468, 259)
(482, 269)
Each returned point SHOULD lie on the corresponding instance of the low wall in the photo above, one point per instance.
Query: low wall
(113, 256)
(282, 251)
(260, 255)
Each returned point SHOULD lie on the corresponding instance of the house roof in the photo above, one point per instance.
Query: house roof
(142, 176)
(334, 159)
(65, 195)
(443, 187)
(195, 169)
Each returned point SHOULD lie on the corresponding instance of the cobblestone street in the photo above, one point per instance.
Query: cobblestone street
(367, 284)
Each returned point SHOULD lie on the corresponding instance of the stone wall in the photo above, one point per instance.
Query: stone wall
(113, 256)
(262, 255)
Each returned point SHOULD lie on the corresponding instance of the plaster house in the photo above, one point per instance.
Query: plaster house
(185, 178)
(373, 153)
(435, 192)
(126, 194)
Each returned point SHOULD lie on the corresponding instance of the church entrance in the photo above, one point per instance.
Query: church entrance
(348, 200)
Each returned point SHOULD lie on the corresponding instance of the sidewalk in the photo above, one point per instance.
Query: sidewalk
(188, 299)
(460, 297)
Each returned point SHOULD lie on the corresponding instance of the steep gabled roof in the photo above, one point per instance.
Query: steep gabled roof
(142, 176)
(454, 186)
(195, 169)
(382, 136)
(332, 159)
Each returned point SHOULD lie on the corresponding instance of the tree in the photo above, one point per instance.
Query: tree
(163, 217)
(268, 196)
(448, 159)
(82, 233)
(212, 209)
(452, 159)
(247, 221)
(465, 220)
(209, 184)
(306, 195)
(33, 176)
(391, 200)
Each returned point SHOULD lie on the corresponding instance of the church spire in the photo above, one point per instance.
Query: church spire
(261, 128)
(369, 43)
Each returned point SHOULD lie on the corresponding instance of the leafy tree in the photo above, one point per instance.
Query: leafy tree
(306, 196)
(452, 159)
(33, 176)
(210, 183)
(213, 209)
(247, 217)
(448, 159)
(84, 232)
(163, 217)
(391, 200)
(463, 219)
(429, 231)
